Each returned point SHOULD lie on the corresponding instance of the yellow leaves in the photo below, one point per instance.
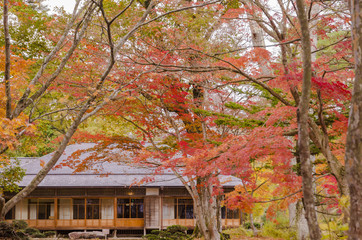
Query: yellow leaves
(344, 201)
(10, 128)
(32, 87)
(333, 230)
(329, 226)
(18, 71)
(4, 161)
(63, 99)
(33, 149)
(42, 163)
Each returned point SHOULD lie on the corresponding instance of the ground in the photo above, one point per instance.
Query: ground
(254, 238)
(233, 238)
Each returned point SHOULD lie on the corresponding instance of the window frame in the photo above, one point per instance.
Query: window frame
(137, 205)
(37, 203)
(186, 206)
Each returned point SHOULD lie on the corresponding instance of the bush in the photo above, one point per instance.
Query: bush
(176, 228)
(22, 235)
(271, 229)
(247, 225)
(20, 224)
(279, 229)
(19, 229)
(38, 235)
(31, 231)
(238, 232)
(225, 236)
(174, 232)
(7, 230)
(49, 233)
(334, 229)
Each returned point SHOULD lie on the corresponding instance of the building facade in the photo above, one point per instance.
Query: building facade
(107, 199)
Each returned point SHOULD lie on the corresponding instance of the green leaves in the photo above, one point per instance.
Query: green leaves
(28, 32)
(10, 175)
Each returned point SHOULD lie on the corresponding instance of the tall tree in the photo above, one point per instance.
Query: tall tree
(354, 137)
(284, 83)
(93, 92)
(303, 129)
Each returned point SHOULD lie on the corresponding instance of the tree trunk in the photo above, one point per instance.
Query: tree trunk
(297, 220)
(257, 38)
(255, 232)
(321, 140)
(44, 171)
(296, 216)
(7, 59)
(2, 204)
(207, 211)
(353, 155)
(303, 129)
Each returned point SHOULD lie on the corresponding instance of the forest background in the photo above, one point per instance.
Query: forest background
(260, 90)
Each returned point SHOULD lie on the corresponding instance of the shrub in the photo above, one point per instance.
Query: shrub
(225, 236)
(174, 232)
(334, 229)
(7, 230)
(247, 225)
(20, 224)
(49, 233)
(38, 235)
(22, 235)
(239, 232)
(279, 229)
(176, 228)
(271, 229)
(31, 231)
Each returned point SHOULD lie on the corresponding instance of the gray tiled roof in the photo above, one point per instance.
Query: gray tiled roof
(111, 174)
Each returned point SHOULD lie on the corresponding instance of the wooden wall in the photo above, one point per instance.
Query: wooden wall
(159, 209)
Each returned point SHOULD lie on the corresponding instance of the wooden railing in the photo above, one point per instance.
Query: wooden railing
(191, 222)
(231, 222)
(183, 222)
(135, 223)
(86, 223)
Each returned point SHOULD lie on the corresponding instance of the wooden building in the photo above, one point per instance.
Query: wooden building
(107, 199)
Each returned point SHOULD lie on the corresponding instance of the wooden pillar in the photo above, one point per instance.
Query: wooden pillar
(226, 216)
(115, 212)
(36, 212)
(177, 219)
(161, 212)
(85, 213)
(55, 211)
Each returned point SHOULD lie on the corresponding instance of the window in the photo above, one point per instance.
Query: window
(227, 213)
(10, 214)
(41, 208)
(46, 209)
(65, 208)
(184, 208)
(93, 209)
(79, 208)
(129, 208)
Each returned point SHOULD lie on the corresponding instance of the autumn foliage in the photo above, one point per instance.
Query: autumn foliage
(197, 96)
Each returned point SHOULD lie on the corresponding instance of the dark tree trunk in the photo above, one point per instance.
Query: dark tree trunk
(303, 129)
(353, 156)
(2, 204)
(7, 59)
